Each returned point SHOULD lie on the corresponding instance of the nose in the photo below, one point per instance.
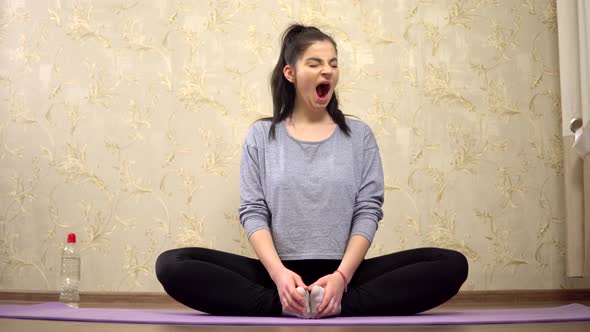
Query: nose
(327, 70)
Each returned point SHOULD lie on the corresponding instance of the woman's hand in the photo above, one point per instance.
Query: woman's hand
(334, 287)
(287, 281)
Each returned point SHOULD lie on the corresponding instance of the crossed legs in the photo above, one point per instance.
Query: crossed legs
(401, 283)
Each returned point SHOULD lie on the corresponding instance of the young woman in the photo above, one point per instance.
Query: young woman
(311, 195)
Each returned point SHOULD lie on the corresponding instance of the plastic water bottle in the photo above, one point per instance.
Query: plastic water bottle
(70, 273)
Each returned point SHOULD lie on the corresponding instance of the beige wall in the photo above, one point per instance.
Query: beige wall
(122, 121)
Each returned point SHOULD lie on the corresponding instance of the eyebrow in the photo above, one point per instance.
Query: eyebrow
(320, 60)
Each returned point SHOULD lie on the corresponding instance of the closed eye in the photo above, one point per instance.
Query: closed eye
(316, 65)
(314, 62)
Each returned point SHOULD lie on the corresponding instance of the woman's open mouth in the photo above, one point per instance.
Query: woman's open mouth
(323, 89)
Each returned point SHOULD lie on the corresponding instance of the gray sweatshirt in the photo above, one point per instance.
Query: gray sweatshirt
(312, 196)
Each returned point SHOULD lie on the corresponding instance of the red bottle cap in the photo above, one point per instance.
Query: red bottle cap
(72, 238)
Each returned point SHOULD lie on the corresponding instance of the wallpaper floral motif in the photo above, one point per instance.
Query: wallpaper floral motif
(123, 121)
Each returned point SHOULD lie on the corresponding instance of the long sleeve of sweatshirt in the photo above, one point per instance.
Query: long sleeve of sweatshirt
(312, 196)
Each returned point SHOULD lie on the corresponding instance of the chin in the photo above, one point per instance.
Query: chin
(321, 107)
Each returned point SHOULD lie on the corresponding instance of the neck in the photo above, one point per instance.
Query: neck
(304, 115)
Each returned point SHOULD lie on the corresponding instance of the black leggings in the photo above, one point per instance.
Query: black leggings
(402, 283)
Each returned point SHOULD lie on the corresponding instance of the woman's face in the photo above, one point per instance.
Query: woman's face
(315, 76)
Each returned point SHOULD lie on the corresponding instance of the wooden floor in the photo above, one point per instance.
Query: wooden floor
(10, 325)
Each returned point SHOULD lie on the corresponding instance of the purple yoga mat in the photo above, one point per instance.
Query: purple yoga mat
(59, 311)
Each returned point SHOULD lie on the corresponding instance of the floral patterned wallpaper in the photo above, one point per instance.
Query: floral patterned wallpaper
(122, 121)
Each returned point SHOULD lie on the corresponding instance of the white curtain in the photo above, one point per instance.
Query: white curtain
(573, 21)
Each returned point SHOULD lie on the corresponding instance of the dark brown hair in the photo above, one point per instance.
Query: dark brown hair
(294, 41)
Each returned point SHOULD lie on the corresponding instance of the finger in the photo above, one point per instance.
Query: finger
(299, 282)
(285, 298)
(322, 314)
(330, 310)
(333, 310)
(325, 301)
(330, 305)
(292, 305)
(323, 281)
(298, 298)
(285, 303)
(336, 310)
